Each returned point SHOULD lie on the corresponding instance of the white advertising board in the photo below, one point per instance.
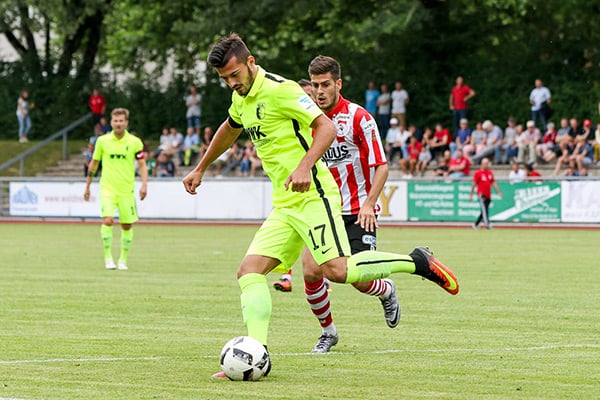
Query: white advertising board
(580, 201)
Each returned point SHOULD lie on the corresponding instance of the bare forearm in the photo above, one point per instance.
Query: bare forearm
(379, 179)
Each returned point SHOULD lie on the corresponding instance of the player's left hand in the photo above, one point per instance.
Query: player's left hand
(367, 219)
(143, 192)
(299, 181)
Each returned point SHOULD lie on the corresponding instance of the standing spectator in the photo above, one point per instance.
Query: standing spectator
(459, 96)
(530, 139)
(117, 183)
(540, 98)
(463, 136)
(194, 112)
(384, 105)
(509, 142)
(441, 141)
(400, 100)
(23, 108)
(97, 104)
(492, 143)
(371, 96)
(483, 180)
(516, 174)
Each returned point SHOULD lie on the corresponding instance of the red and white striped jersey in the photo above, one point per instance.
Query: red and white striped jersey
(354, 153)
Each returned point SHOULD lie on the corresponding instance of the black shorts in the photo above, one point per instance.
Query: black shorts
(360, 240)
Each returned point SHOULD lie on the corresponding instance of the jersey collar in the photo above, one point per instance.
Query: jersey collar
(258, 82)
(338, 107)
(113, 136)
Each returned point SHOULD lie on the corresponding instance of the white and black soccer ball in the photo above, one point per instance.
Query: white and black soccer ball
(244, 358)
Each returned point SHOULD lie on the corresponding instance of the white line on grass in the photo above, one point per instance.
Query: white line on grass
(390, 351)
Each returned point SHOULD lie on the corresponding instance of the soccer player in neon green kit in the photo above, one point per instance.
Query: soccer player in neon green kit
(118, 150)
(278, 117)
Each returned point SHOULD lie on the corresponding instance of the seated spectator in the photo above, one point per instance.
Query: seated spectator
(208, 135)
(581, 155)
(532, 174)
(508, 142)
(531, 137)
(565, 157)
(393, 141)
(459, 166)
(409, 164)
(150, 163)
(165, 142)
(440, 142)
(492, 143)
(234, 158)
(463, 136)
(424, 159)
(477, 142)
(87, 159)
(250, 159)
(191, 146)
(442, 167)
(545, 150)
(165, 167)
(573, 172)
(516, 174)
(597, 144)
(175, 142)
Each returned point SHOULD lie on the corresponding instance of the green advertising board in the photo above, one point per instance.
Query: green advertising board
(449, 201)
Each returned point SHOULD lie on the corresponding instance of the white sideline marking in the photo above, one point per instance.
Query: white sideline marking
(342, 353)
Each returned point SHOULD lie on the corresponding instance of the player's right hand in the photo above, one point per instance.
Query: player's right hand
(86, 195)
(192, 181)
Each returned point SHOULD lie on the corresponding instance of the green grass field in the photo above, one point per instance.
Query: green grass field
(526, 324)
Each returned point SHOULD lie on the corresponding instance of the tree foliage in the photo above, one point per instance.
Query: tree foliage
(499, 46)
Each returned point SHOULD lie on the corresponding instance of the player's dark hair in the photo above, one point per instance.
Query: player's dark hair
(324, 64)
(225, 48)
(304, 82)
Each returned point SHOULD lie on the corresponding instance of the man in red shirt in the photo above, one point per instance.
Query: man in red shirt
(97, 104)
(459, 166)
(459, 96)
(441, 141)
(414, 149)
(483, 179)
(532, 174)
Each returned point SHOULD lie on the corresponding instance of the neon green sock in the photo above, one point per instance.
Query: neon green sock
(370, 265)
(126, 238)
(256, 305)
(106, 235)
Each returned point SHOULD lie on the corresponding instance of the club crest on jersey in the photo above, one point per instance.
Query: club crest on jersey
(260, 110)
(342, 128)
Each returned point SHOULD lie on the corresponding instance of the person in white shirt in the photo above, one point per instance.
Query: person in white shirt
(516, 174)
(400, 100)
(539, 98)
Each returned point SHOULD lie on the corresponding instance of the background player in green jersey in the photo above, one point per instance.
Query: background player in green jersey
(307, 211)
(118, 150)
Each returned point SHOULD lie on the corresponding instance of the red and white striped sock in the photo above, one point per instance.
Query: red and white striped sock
(318, 300)
(378, 288)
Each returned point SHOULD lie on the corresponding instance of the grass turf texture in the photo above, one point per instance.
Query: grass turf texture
(524, 326)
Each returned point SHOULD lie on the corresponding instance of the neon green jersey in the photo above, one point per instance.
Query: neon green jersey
(118, 161)
(276, 114)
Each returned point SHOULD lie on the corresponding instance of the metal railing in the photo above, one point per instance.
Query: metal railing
(20, 158)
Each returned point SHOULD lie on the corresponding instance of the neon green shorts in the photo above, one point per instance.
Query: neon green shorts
(318, 225)
(110, 202)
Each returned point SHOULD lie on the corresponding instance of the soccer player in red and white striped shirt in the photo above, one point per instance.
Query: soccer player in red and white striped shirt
(356, 158)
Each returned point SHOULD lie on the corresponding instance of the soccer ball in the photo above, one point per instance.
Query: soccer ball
(244, 358)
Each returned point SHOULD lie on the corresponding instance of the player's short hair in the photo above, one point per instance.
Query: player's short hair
(324, 64)
(226, 48)
(120, 111)
(304, 82)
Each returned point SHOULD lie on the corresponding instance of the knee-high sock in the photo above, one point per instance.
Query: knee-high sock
(126, 239)
(317, 297)
(256, 305)
(106, 235)
(370, 265)
(378, 288)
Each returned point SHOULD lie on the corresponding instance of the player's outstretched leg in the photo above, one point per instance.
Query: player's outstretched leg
(429, 267)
